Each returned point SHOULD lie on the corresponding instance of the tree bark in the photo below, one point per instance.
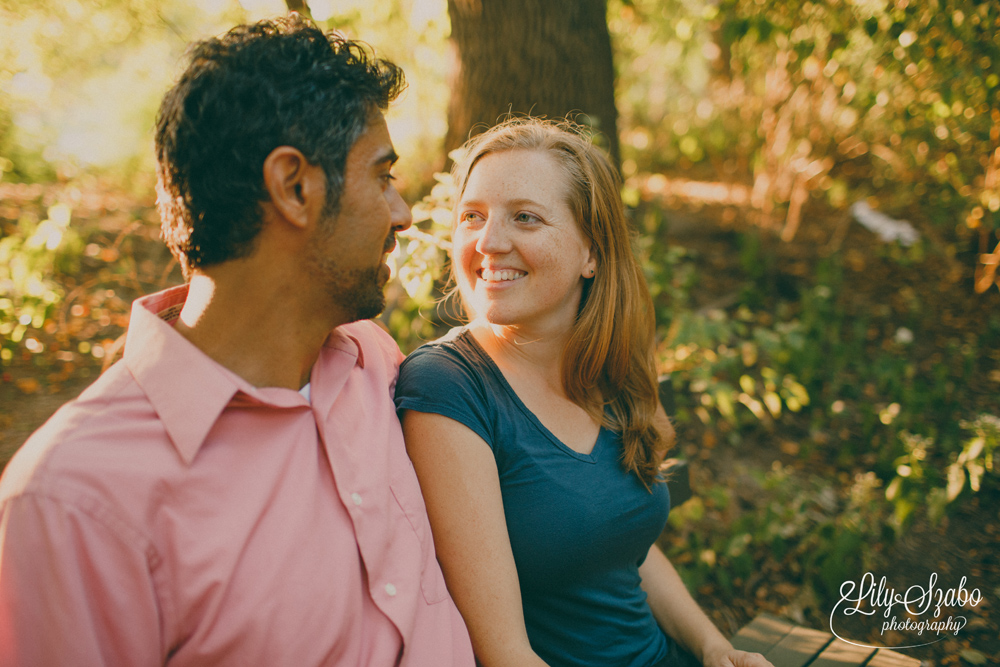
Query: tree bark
(300, 6)
(544, 57)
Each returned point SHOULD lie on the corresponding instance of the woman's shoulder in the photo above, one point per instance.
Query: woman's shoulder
(451, 349)
(447, 377)
(452, 359)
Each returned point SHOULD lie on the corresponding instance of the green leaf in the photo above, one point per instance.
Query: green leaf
(773, 403)
(974, 657)
(956, 480)
(893, 489)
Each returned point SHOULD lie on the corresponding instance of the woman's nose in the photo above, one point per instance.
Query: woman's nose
(494, 238)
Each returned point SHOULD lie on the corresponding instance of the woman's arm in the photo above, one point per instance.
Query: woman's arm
(680, 616)
(461, 487)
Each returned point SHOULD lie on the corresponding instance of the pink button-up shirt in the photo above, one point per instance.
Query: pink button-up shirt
(176, 514)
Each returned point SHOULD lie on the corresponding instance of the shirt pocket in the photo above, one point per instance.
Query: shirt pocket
(406, 492)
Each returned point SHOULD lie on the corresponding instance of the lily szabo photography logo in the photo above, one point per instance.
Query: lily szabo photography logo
(924, 615)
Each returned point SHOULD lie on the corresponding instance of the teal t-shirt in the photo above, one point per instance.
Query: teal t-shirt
(579, 525)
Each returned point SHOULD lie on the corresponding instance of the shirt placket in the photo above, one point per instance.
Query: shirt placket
(353, 439)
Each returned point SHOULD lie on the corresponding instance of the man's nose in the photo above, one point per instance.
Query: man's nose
(400, 213)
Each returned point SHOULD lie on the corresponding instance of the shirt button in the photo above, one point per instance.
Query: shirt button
(356, 497)
(390, 590)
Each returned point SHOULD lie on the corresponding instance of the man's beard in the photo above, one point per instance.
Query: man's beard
(358, 292)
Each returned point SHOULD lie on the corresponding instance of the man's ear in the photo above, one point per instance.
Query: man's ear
(297, 188)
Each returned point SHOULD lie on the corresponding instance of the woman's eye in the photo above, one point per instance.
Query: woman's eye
(526, 217)
(470, 216)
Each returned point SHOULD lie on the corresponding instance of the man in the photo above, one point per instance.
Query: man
(235, 491)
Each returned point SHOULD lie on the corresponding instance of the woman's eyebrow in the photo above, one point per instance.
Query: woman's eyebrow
(511, 203)
(528, 202)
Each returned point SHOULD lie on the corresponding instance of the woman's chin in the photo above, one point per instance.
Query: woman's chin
(493, 316)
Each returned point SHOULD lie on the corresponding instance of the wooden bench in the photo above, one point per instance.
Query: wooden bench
(787, 645)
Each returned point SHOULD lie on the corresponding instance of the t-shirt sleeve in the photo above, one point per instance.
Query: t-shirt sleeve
(437, 380)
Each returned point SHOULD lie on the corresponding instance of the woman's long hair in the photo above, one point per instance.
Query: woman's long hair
(610, 350)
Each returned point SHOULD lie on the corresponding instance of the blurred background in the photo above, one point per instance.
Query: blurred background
(815, 188)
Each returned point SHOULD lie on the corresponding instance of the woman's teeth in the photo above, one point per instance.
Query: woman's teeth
(498, 276)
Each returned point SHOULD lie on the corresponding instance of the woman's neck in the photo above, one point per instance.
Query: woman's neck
(528, 353)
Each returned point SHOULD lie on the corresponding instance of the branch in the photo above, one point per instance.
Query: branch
(300, 6)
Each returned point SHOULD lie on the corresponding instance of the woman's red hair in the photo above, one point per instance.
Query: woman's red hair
(608, 361)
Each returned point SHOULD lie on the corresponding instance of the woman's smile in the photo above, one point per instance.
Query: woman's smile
(500, 277)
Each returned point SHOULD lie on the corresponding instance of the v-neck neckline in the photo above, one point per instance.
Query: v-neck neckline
(532, 417)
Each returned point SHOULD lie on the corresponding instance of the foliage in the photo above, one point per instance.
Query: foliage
(845, 99)
(724, 363)
(81, 81)
(419, 262)
(874, 395)
(28, 258)
(922, 479)
(71, 261)
(819, 355)
(740, 366)
(777, 521)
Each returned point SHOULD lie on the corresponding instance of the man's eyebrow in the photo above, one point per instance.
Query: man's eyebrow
(389, 156)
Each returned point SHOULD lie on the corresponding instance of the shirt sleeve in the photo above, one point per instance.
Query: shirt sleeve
(388, 346)
(73, 590)
(436, 380)
(384, 345)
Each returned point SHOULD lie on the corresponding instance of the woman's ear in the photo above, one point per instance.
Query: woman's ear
(297, 189)
(590, 266)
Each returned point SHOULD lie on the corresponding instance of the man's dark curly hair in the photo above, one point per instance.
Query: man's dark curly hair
(273, 83)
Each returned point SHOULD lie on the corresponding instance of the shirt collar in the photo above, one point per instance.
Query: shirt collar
(187, 389)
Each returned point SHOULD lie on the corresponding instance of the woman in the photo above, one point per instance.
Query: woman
(535, 430)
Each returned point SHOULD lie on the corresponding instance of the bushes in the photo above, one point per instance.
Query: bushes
(931, 477)
(799, 527)
(28, 258)
(72, 258)
(857, 386)
(839, 100)
(869, 382)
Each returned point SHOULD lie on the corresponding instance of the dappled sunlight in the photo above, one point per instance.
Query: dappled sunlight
(91, 102)
(659, 186)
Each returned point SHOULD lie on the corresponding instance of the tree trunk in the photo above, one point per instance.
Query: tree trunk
(300, 6)
(544, 57)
